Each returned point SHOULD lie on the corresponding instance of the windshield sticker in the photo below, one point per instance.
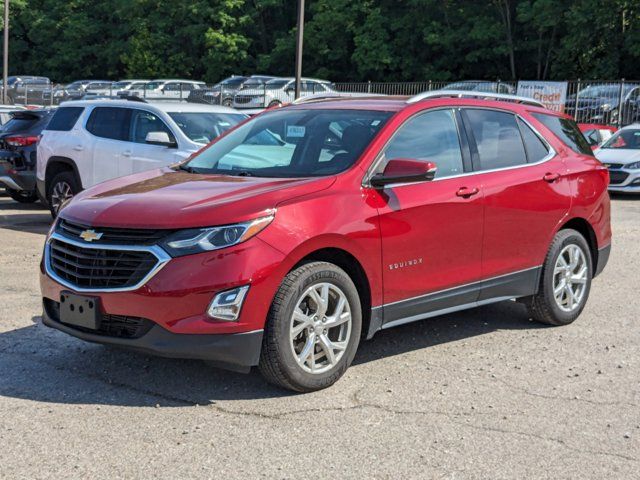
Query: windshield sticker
(295, 131)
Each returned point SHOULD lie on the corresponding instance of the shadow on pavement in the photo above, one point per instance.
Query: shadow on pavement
(40, 364)
(21, 217)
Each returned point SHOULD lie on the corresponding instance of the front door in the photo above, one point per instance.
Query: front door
(431, 231)
(142, 155)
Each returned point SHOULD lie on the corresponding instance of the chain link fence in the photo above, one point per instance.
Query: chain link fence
(612, 102)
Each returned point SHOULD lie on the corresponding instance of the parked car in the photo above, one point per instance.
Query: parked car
(169, 89)
(18, 139)
(83, 88)
(596, 134)
(276, 92)
(314, 225)
(600, 103)
(5, 112)
(128, 86)
(621, 155)
(88, 142)
(28, 89)
(220, 94)
(481, 86)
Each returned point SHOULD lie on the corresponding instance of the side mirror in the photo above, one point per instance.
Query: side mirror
(405, 170)
(159, 138)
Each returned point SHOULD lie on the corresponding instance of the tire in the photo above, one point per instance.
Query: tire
(227, 102)
(23, 196)
(61, 183)
(275, 103)
(544, 306)
(280, 356)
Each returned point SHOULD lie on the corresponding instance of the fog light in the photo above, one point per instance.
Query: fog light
(226, 305)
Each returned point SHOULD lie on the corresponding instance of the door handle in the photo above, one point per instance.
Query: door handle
(78, 148)
(551, 177)
(126, 153)
(467, 192)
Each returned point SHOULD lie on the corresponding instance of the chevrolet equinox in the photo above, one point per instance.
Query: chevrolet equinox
(309, 227)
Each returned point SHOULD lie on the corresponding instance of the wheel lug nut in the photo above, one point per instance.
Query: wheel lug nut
(324, 332)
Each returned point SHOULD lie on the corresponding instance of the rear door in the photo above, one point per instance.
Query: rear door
(526, 196)
(109, 128)
(140, 155)
(431, 232)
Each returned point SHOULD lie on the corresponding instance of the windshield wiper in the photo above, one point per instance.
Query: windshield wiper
(243, 173)
(186, 168)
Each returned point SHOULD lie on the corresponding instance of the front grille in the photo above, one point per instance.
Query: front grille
(113, 236)
(99, 268)
(118, 326)
(617, 178)
(243, 99)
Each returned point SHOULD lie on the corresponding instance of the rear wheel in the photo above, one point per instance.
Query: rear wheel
(313, 328)
(62, 188)
(565, 281)
(23, 196)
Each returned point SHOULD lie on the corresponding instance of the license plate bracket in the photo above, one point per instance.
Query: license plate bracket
(80, 310)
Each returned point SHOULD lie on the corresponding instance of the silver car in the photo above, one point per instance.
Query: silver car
(278, 91)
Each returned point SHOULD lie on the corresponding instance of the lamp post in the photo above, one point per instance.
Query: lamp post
(299, 37)
(5, 59)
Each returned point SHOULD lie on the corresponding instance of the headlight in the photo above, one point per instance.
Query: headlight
(606, 107)
(197, 240)
(632, 166)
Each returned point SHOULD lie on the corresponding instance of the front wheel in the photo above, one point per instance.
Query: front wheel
(565, 281)
(313, 328)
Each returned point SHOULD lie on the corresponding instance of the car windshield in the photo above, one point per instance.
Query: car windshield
(233, 82)
(292, 143)
(152, 85)
(75, 85)
(275, 84)
(202, 127)
(121, 84)
(628, 139)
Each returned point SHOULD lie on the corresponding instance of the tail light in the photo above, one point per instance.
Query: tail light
(20, 141)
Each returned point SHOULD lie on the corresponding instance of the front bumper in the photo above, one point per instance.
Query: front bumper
(239, 351)
(630, 183)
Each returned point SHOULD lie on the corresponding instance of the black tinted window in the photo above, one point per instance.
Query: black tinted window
(567, 131)
(536, 149)
(497, 137)
(64, 119)
(110, 122)
(431, 136)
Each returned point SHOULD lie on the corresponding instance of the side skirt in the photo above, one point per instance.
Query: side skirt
(491, 290)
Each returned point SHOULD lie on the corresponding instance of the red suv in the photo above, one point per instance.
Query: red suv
(310, 227)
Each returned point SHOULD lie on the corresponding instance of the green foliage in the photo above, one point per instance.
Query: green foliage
(345, 40)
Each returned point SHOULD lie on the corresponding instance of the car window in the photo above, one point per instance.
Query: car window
(110, 122)
(497, 137)
(64, 119)
(628, 139)
(431, 136)
(202, 127)
(291, 143)
(172, 87)
(534, 146)
(143, 122)
(567, 131)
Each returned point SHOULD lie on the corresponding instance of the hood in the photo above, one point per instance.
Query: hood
(617, 155)
(169, 199)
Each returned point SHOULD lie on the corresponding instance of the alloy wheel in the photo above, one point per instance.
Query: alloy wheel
(570, 278)
(320, 328)
(60, 193)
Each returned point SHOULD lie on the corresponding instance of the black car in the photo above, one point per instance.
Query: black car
(18, 141)
(29, 90)
(606, 103)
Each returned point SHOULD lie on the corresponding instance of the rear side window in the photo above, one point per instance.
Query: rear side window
(64, 119)
(110, 122)
(567, 131)
(497, 137)
(535, 147)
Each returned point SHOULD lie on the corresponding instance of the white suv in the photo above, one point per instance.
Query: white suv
(277, 91)
(90, 141)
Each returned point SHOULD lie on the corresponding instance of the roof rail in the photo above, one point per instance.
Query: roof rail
(473, 94)
(317, 97)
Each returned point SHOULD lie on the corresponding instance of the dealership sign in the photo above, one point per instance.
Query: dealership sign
(551, 94)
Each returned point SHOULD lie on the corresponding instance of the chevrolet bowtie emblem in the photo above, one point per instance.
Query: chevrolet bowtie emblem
(90, 235)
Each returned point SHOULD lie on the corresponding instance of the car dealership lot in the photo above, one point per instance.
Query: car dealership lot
(479, 394)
